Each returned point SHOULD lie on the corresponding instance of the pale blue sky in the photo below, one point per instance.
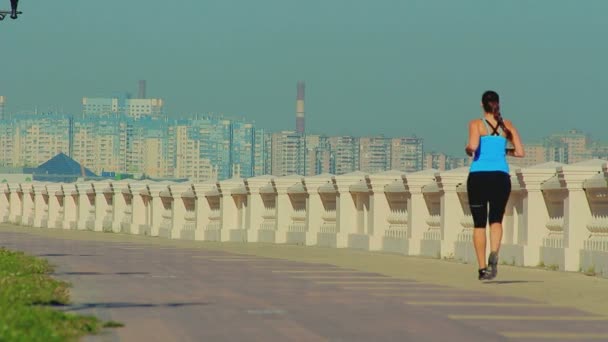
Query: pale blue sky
(392, 67)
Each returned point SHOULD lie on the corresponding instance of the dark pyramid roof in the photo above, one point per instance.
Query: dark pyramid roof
(61, 164)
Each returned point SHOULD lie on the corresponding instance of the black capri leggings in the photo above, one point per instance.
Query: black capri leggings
(488, 187)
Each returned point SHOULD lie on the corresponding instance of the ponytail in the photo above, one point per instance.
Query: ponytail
(495, 109)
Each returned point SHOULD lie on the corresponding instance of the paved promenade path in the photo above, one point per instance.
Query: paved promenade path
(168, 290)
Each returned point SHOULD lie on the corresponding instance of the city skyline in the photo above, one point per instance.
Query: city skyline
(392, 67)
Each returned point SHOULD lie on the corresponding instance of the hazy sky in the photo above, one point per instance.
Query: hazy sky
(392, 67)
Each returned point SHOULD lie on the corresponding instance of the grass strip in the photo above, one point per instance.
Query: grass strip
(27, 294)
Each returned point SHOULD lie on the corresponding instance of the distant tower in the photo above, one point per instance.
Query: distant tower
(300, 108)
(142, 90)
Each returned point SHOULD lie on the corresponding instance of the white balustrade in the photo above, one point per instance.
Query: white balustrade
(556, 215)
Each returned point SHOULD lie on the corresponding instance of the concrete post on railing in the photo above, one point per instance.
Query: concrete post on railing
(418, 213)
(451, 209)
(121, 201)
(156, 206)
(256, 205)
(576, 213)
(316, 208)
(86, 206)
(138, 207)
(178, 208)
(5, 203)
(528, 205)
(284, 210)
(186, 225)
(29, 205)
(16, 203)
(72, 210)
(594, 256)
(41, 203)
(233, 192)
(430, 244)
(207, 211)
(56, 205)
(387, 212)
(127, 217)
(298, 198)
(362, 231)
(145, 225)
(346, 209)
(22, 198)
(104, 206)
(328, 234)
(464, 250)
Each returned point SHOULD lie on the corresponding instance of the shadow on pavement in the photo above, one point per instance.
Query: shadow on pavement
(100, 273)
(122, 305)
(61, 254)
(500, 282)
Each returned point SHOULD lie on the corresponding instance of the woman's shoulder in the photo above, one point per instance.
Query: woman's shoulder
(476, 121)
(508, 123)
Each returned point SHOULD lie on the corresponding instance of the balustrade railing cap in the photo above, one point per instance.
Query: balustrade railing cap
(27, 188)
(415, 181)
(99, 186)
(432, 187)
(327, 188)
(314, 182)
(297, 189)
(452, 178)
(549, 167)
(232, 182)
(136, 187)
(360, 187)
(352, 176)
(12, 187)
(38, 187)
(201, 188)
(118, 186)
(283, 183)
(69, 187)
(180, 187)
(156, 188)
(52, 187)
(259, 181)
(395, 187)
(240, 189)
(386, 177)
(599, 181)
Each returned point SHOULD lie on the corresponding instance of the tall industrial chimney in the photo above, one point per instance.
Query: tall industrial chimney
(300, 108)
(142, 90)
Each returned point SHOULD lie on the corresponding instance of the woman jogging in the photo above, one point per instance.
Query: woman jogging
(489, 183)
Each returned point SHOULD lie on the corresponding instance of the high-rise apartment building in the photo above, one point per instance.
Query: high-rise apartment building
(570, 147)
(436, 160)
(100, 144)
(189, 163)
(133, 108)
(345, 150)
(318, 155)
(37, 139)
(534, 154)
(2, 104)
(288, 153)
(407, 154)
(8, 153)
(268, 153)
(260, 153)
(374, 154)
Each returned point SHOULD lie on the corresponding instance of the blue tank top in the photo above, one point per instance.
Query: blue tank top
(491, 154)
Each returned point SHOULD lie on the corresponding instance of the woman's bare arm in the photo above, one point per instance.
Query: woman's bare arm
(518, 147)
(474, 135)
